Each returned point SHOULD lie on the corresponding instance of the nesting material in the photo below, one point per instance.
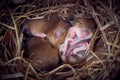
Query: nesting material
(103, 62)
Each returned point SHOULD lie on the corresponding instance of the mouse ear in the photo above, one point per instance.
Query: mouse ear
(58, 33)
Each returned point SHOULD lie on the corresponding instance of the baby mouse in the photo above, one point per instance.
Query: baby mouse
(73, 49)
(42, 54)
(51, 27)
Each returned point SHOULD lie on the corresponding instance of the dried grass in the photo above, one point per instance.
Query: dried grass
(107, 54)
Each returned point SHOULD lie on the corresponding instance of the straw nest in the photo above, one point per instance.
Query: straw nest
(104, 66)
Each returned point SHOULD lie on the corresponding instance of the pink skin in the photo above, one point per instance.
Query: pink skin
(79, 47)
(84, 34)
(67, 44)
(70, 41)
(72, 32)
(42, 35)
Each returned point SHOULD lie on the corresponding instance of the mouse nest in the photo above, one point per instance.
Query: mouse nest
(106, 62)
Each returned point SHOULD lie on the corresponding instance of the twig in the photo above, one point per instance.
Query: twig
(11, 76)
(60, 67)
(17, 38)
(111, 44)
(23, 6)
(49, 8)
(93, 13)
(26, 74)
(92, 41)
(107, 25)
(7, 26)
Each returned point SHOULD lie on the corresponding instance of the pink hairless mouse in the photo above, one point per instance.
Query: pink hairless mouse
(77, 41)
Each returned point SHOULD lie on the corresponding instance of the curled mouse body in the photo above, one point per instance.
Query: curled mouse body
(77, 41)
(42, 54)
(41, 27)
(51, 27)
